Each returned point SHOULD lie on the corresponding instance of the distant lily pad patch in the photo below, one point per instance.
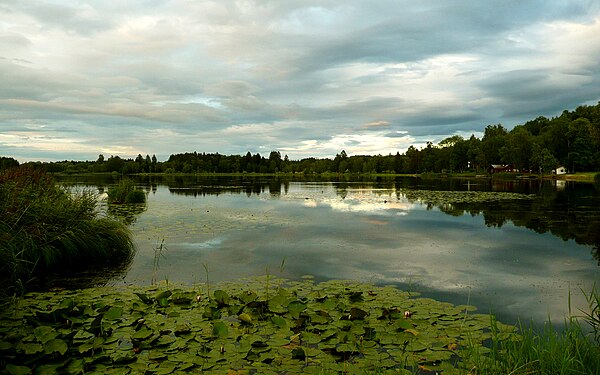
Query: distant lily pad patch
(257, 326)
(437, 197)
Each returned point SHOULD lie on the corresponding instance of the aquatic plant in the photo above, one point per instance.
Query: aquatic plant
(592, 315)
(45, 228)
(570, 351)
(302, 327)
(126, 192)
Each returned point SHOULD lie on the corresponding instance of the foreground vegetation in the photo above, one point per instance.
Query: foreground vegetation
(44, 228)
(271, 326)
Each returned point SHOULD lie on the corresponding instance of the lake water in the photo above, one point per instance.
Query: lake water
(516, 258)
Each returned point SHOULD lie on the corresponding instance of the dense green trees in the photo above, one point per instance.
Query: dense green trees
(540, 145)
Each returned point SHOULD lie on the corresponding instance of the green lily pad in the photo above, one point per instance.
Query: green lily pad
(56, 346)
(114, 313)
(220, 330)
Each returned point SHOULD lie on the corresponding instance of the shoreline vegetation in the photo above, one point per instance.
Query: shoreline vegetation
(270, 325)
(45, 229)
(579, 176)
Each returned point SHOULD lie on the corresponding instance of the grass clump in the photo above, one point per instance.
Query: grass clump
(548, 351)
(45, 228)
(126, 192)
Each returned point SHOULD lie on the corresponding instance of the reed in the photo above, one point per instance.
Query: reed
(126, 192)
(545, 351)
(45, 228)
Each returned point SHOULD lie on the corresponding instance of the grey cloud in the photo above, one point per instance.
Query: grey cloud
(198, 75)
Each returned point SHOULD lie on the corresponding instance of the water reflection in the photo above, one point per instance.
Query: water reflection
(517, 258)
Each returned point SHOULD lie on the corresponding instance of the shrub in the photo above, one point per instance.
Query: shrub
(45, 228)
(125, 192)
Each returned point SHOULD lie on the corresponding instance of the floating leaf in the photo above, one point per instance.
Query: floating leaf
(114, 313)
(221, 297)
(296, 307)
(45, 333)
(220, 330)
(298, 353)
(246, 318)
(143, 334)
(147, 300)
(17, 370)
(55, 346)
(279, 321)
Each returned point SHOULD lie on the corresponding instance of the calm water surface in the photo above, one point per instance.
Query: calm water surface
(517, 258)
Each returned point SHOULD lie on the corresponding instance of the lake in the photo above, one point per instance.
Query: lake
(512, 248)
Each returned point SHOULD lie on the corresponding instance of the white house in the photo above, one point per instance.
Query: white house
(560, 170)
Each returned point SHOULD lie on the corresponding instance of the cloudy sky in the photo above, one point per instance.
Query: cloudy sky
(305, 77)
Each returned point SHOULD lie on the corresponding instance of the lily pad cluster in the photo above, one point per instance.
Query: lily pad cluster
(260, 325)
(438, 197)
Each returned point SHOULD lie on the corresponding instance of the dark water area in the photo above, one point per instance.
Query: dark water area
(517, 256)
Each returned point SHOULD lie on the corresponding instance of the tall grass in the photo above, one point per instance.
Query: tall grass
(547, 351)
(44, 228)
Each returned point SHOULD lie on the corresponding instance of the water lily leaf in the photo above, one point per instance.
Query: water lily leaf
(402, 324)
(357, 314)
(114, 313)
(32, 348)
(355, 296)
(45, 333)
(221, 297)
(122, 357)
(18, 370)
(147, 300)
(56, 346)
(182, 298)
(47, 369)
(166, 367)
(164, 294)
(246, 318)
(82, 335)
(279, 321)
(296, 307)
(220, 330)
(143, 334)
(247, 297)
(298, 353)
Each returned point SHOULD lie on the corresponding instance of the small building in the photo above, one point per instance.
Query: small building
(560, 170)
(498, 168)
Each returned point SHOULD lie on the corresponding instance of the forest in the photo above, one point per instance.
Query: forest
(540, 145)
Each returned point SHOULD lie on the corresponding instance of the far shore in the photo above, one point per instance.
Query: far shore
(579, 176)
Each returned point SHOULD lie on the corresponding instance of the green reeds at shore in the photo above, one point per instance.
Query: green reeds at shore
(574, 350)
(125, 192)
(45, 228)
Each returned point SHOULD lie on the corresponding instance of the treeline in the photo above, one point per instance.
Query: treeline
(571, 140)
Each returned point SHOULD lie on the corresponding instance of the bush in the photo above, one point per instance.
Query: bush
(125, 192)
(45, 228)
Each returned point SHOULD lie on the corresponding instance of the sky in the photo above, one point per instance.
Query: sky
(303, 77)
